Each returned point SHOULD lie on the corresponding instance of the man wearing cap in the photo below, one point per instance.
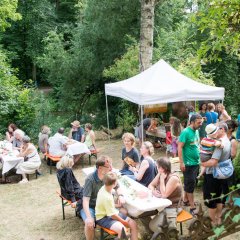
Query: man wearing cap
(76, 132)
(189, 157)
(213, 187)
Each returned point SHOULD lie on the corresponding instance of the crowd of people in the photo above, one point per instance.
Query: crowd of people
(201, 146)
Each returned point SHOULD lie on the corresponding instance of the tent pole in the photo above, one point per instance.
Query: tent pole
(107, 119)
(142, 122)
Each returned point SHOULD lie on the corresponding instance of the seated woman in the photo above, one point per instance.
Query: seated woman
(147, 170)
(10, 132)
(166, 185)
(90, 137)
(18, 139)
(70, 188)
(43, 139)
(32, 160)
(130, 154)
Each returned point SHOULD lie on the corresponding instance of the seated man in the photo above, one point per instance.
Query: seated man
(76, 132)
(92, 185)
(57, 143)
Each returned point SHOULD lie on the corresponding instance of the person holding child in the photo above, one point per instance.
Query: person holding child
(130, 154)
(107, 215)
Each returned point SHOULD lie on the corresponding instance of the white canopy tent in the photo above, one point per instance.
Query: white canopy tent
(161, 83)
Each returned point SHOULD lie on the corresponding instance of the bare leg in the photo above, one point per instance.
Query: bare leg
(212, 215)
(24, 176)
(89, 233)
(190, 198)
(134, 229)
(219, 213)
(185, 197)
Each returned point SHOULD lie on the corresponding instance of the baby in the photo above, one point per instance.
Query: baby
(208, 145)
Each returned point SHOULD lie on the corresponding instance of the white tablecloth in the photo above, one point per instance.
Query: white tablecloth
(10, 160)
(136, 205)
(77, 148)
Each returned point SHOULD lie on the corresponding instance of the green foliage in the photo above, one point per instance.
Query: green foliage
(7, 13)
(219, 21)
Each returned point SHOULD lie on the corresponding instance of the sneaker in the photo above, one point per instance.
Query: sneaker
(193, 211)
(23, 181)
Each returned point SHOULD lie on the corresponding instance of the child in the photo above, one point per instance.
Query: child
(107, 215)
(175, 132)
(168, 141)
(208, 144)
(130, 154)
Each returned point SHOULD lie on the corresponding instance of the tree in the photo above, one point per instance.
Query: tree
(8, 13)
(219, 22)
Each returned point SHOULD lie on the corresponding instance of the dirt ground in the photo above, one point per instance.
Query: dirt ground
(33, 211)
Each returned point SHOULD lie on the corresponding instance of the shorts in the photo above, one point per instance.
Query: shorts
(190, 175)
(213, 188)
(107, 222)
(83, 214)
(169, 148)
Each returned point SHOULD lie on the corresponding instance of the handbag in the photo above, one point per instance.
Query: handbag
(223, 170)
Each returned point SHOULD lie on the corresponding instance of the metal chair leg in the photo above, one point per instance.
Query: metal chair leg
(63, 210)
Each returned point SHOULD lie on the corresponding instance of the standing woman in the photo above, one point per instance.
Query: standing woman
(43, 139)
(130, 155)
(32, 160)
(202, 112)
(147, 170)
(223, 115)
(90, 137)
(10, 132)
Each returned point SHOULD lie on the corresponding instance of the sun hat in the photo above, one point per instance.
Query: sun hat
(211, 129)
(75, 124)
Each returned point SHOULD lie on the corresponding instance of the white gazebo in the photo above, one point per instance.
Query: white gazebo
(161, 83)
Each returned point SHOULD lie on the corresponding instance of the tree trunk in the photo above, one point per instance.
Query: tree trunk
(34, 74)
(146, 33)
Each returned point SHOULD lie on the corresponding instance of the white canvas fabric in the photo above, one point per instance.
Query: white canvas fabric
(162, 84)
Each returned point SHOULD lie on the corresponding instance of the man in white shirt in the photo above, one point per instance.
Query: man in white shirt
(57, 143)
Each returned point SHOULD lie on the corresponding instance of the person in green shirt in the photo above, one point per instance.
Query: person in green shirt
(189, 157)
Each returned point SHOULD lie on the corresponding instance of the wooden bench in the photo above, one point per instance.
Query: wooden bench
(52, 159)
(65, 203)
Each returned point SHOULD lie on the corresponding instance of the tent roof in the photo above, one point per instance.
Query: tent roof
(162, 84)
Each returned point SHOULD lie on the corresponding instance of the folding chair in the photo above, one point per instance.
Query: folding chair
(65, 203)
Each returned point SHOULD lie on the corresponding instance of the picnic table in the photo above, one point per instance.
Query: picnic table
(139, 199)
(8, 156)
(160, 132)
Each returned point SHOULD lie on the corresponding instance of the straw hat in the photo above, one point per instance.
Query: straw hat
(75, 124)
(211, 129)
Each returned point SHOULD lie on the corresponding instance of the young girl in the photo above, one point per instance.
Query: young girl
(130, 154)
(175, 133)
(168, 141)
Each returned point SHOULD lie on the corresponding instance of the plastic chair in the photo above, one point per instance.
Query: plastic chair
(183, 216)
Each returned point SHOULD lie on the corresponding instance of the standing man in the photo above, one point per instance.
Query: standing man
(92, 185)
(189, 157)
(76, 132)
(213, 187)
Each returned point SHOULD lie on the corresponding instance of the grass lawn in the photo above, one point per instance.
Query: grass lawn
(33, 211)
